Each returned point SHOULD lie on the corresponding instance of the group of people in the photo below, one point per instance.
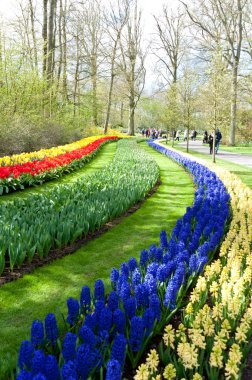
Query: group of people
(209, 139)
(151, 133)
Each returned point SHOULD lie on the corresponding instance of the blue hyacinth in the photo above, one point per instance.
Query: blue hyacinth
(68, 371)
(162, 273)
(99, 305)
(152, 269)
(83, 358)
(85, 300)
(159, 255)
(68, 346)
(37, 333)
(38, 362)
(142, 296)
(105, 320)
(132, 264)
(144, 256)
(148, 320)
(171, 294)
(51, 328)
(91, 321)
(87, 336)
(130, 307)
(152, 252)
(114, 276)
(136, 278)
(118, 350)
(193, 264)
(99, 291)
(25, 355)
(136, 333)
(113, 370)
(39, 376)
(24, 375)
(150, 283)
(155, 306)
(163, 240)
(73, 311)
(96, 360)
(125, 291)
(113, 300)
(51, 368)
(119, 321)
(124, 270)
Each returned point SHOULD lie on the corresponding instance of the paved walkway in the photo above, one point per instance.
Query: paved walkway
(242, 159)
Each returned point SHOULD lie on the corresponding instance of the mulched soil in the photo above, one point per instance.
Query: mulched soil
(54, 254)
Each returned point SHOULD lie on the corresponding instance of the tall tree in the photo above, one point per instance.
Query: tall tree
(51, 41)
(34, 39)
(115, 21)
(222, 20)
(133, 57)
(44, 36)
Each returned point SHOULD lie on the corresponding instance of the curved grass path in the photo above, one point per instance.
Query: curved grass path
(103, 158)
(47, 289)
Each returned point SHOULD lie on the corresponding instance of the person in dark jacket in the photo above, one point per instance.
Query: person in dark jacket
(210, 142)
(218, 137)
(205, 138)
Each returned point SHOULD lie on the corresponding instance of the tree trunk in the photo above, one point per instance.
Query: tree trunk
(65, 95)
(33, 35)
(112, 77)
(233, 103)
(60, 45)
(121, 114)
(131, 124)
(44, 35)
(94, 90)
(76, 74)
(109, 101)
(50, 42)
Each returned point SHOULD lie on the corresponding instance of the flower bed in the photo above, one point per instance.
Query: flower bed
(104, 329)
(34, 172)
(214, 337)
(56, 218)
(54, 151)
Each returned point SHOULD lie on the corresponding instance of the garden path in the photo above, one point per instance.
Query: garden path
(241, 159)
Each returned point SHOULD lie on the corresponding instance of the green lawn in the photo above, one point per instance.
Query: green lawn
(237, 149)
(47, 289)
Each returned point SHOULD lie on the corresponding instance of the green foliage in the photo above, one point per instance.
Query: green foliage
(52, 220)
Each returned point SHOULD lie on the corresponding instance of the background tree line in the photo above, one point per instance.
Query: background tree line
(68, 67)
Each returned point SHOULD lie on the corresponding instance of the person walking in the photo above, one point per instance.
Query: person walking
(210, 142)
(218, 137)
(205, 138)
(185, 134)
(177, 135)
